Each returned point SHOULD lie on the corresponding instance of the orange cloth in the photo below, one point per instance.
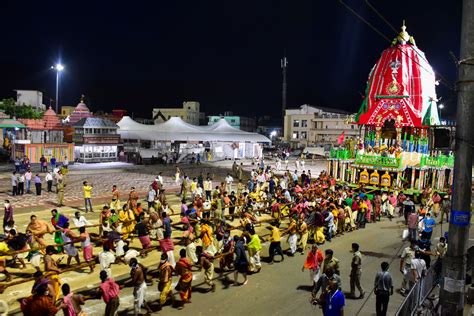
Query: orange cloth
(313, 260)
(206, 235)
(39, 305)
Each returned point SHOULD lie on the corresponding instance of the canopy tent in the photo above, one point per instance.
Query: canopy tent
(175, 129)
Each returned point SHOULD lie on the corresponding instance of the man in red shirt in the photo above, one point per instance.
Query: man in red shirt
(412, 221)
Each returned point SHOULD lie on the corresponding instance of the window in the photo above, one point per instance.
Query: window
(304, 123)
(352, 126)
(296, 123)
(303, 135)
(295, 135)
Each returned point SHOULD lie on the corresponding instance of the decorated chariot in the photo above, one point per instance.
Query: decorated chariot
(396, 120)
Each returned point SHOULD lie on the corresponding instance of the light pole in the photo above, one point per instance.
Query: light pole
(58, 67)
(440, 107)
(273, 135)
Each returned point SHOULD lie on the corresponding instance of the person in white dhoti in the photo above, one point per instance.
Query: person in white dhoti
(139, 286)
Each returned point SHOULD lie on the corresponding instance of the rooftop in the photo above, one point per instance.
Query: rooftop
(95, 122)
(309, 109)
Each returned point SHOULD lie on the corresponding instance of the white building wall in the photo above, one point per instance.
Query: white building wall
(30, 97)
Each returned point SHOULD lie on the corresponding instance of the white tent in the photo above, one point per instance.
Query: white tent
(175, 129)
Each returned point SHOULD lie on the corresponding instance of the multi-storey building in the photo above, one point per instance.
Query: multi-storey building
(190, 113)
(311, 125)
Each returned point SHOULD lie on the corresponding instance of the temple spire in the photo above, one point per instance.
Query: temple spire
(403, 37)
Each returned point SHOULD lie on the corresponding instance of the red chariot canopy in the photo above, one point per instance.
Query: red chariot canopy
(401, 87)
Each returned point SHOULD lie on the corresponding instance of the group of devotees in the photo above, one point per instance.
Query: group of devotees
(215, 231)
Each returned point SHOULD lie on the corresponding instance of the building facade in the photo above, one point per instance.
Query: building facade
(30, 97)
(190, 113)
(66, 110)
(309, 126)
(43, 137)
(96, 140)
(243, 123)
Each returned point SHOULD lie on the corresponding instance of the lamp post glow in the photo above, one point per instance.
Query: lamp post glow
(58, 67)
(273, 134)
(440, 107)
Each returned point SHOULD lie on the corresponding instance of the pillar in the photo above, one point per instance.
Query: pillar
(399, 135)
(421, 181)
(378, 132)
(441, 179)
(412, 180)
(399, 179)
(435, 174)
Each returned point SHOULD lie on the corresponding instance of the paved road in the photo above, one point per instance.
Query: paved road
(282, 289)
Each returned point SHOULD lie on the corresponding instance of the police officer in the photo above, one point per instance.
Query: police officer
(60, 191)
(356, 271)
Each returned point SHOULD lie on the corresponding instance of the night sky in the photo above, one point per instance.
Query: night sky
(138, 55)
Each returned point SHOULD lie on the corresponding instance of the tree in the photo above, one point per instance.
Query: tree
(10, 107)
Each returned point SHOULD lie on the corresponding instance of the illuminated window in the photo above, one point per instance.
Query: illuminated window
(295, 135)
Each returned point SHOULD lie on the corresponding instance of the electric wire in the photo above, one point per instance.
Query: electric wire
(443, 80)
(381, 16)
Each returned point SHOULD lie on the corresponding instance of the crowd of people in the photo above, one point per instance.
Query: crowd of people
(216, 230)
(23, 178)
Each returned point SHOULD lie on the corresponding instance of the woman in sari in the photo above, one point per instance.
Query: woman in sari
(183, 269)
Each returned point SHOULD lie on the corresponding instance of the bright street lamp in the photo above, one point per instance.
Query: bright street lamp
(440, 107)
(58, 68)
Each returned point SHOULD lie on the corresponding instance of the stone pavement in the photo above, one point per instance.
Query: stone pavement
(101, 180)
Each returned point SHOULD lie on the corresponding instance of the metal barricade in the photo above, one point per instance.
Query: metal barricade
(418, 293)
(427, 283)
(411, 301)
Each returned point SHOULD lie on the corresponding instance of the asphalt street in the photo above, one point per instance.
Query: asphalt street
(283, 289)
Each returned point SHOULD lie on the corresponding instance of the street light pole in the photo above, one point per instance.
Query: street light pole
(57, 90)
(454, 264)
(58, 67)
